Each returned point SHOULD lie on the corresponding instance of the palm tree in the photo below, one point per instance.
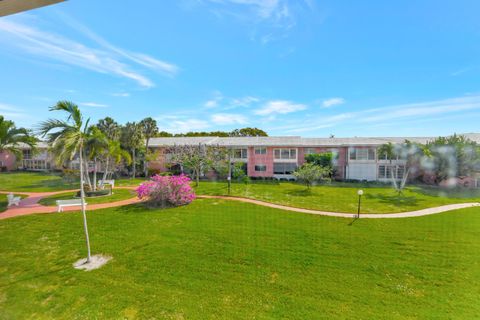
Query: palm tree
(132, 139)
(149, 130)
(114, 155)
(110, 128)
(96, 144)
(389, 150)
(11, 137)
(71, 135)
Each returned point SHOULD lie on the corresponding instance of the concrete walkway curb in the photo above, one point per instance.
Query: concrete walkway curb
(408, 214)
(30, 205)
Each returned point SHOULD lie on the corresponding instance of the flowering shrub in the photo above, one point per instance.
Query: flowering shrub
(162, 191)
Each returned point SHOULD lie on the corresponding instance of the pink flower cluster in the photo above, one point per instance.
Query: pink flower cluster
(167, 190)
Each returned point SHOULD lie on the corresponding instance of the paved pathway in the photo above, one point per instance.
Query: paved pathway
(30, 205)
(418, 213)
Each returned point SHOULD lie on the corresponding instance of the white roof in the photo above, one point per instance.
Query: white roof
(291, 141)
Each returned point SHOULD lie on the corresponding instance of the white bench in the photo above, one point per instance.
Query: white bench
(12, 200)
(69, 203)
(101, 183)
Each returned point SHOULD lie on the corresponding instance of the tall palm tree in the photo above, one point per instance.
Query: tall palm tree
(132, 140)
(96, 144)
(11, 137)
(149, 130)
(110, 128)
(71, 135)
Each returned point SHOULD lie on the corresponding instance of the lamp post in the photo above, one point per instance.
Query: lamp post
(360, 193)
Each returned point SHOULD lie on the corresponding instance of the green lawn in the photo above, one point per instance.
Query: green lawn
(4, 201)
(45, 182)
(342, 197)
(118, 194)
(226, 260)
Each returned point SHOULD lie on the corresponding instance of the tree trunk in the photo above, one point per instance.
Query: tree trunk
(105, 172)
(394, 176)
(197, 177)
(84, 214)
(95, 174)
(87, 175)
(133, 163)
(145, 162)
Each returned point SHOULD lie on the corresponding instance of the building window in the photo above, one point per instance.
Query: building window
(285, 154)
(362, 154)
(385, 171)
(240, 153)
(310, 151)
(284, 168)
(260, 150)
(27, 154)
(260, 168)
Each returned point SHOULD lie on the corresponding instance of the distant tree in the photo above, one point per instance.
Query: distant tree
(114, 156)
(324, 159)
(132, 140)
(149, 129)
(110, 128)
(11, 137)
(248, 132)
(453, 156)
(163, 134)
(197, 158)
(309, 173)
(96, 147)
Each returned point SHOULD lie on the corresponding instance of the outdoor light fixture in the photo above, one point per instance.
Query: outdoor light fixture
(360, 193)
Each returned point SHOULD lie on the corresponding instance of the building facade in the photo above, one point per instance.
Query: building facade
(279, 157)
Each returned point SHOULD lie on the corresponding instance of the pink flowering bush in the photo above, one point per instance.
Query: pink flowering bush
(163, 191)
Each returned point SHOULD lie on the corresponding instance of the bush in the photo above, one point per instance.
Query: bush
(163, 191)
(97, 193)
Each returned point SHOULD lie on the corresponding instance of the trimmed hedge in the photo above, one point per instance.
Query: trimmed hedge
(97, 193)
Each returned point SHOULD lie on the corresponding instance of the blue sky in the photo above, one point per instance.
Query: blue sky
(303, 67)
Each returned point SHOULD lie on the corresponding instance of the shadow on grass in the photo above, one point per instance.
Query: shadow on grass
(397, 200)
(300, 193)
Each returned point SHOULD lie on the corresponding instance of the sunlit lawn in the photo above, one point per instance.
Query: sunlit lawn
(229, 260)
(45, 182)
(342, 197)
(118, 194)
(4, 201)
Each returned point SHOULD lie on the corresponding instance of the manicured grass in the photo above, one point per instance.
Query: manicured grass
(47, 181)
(34, 182)
(4, 201)
(225, 260)
(342, 197)
(118, 194)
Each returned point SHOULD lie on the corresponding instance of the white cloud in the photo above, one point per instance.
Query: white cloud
(121, 94)
(215, 101)
(332, 102)
(228, 119)
(394, 114)
(106, 59)
(180, 123)
(279, 107)
(9, 111)
(93, 105)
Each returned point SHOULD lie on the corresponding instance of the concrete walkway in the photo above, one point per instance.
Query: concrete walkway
(30, 205)
(408, 214)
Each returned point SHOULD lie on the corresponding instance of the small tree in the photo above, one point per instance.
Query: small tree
(132, 140)
(163, 191)
(309, 173)
(197, 158)
(12, 137)
(324, 159)
(149, 129)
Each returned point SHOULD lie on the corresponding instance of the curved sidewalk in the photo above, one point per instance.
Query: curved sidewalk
(30, 205)
(408, 214)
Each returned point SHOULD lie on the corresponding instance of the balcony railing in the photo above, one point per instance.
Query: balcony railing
(33, 164)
